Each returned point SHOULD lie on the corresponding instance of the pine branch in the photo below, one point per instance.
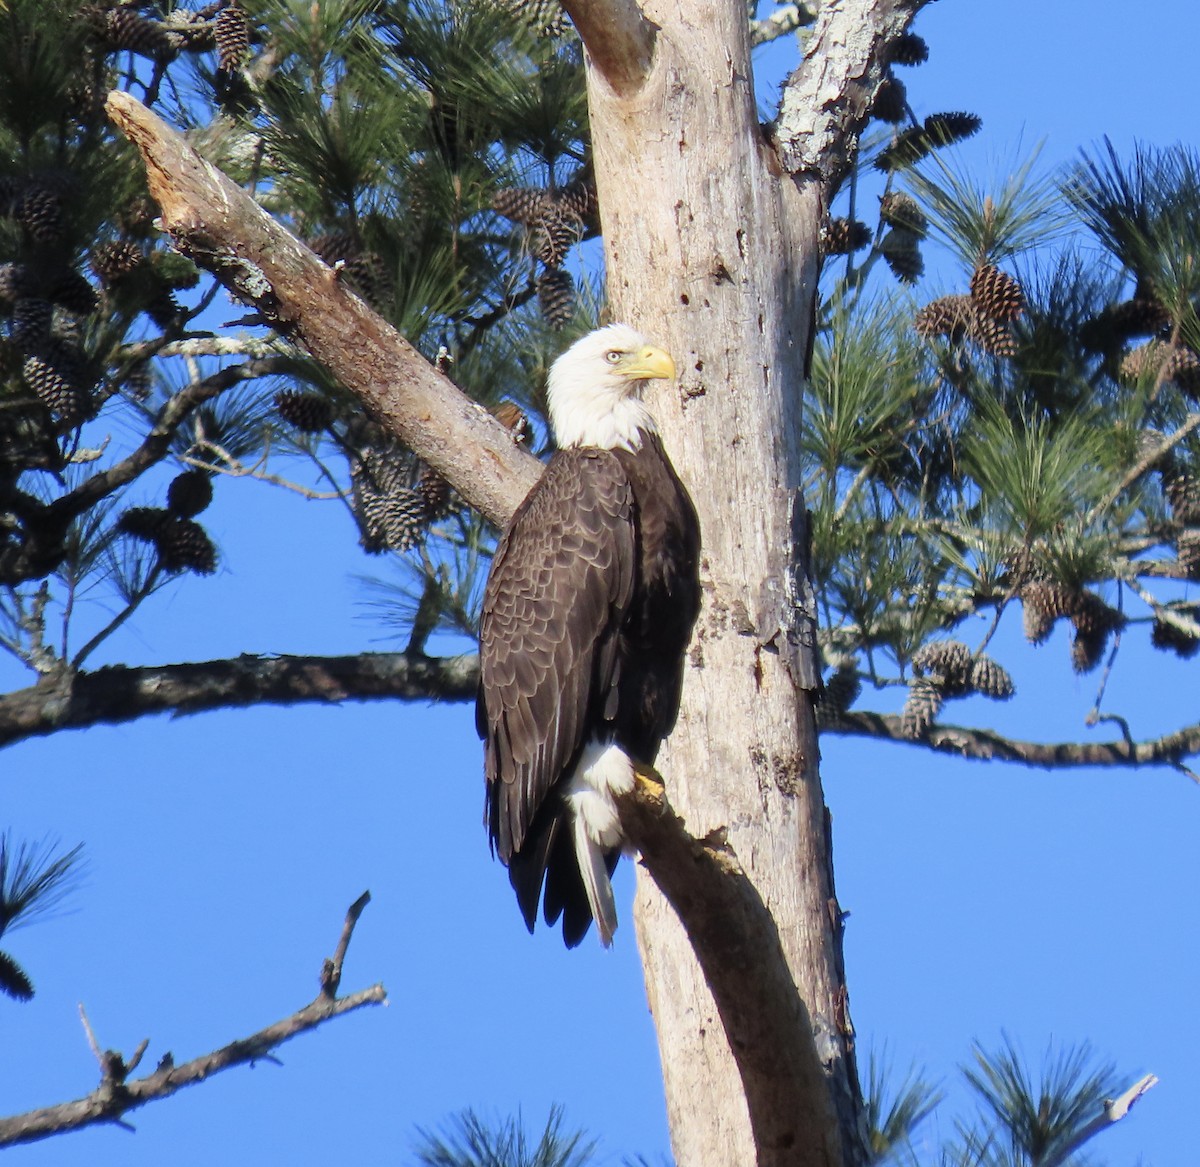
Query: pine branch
(116, 1096)
(223, 230)
(984, 745)
(116, 695)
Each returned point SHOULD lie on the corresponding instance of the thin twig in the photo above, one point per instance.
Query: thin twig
(135, 602)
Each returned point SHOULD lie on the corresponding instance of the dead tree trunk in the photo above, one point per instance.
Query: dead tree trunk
(711, 235)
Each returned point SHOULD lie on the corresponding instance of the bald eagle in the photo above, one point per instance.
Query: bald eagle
(587, 613)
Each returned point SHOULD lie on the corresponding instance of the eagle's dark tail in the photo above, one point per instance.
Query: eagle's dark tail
(548, 860)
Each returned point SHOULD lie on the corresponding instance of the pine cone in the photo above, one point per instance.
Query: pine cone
(906, 148)
(1187, 552)
(1044, 602)
(310, 413)
(149, 524)
(116, 259)
(556, 233)
(1087, 650)
(31, 321)
(947, 663)
(898, 209)
(1171, 639)
(1183, 497)
(334, 246)
(545, 17)
(190, 493)
(844, 236)
(17, 281)
(124, 30)
(944, 129)
(40, 211)
(369, 275)
(69, 289)
(578, 199)
(391, 512)
(993, 336)
(901, 251)
(908, 49)
(163, 308)
(521, 204)
(184, 545)
(61, 382)
(996, 294)
(841, 689)
(922, 705)
(891, 101)
(436, 495)
(949, 316)
(556, 297)
(1140, 316)
(991, 679)
(231, 31)
(1092, 616)
(1156, 359)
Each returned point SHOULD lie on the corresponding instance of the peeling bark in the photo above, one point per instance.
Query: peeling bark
(825, 103)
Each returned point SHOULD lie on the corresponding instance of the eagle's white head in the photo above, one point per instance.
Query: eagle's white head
(595, 389)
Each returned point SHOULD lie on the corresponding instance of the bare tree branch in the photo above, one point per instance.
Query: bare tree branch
(826, 102)
(120, 694)
(984, 745)
(116, 1096)
(618, 38)
(737, 944)
(222, 229)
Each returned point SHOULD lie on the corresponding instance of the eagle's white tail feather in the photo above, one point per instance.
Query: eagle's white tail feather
(590, 856)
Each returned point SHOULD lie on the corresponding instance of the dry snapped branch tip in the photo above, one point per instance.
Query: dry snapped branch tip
(331, 971)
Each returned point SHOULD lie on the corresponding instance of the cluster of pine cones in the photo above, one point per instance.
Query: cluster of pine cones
(179, 541)
(45, 306)
(985, 316)
(555, 220)
(944, 669)
(394, 495)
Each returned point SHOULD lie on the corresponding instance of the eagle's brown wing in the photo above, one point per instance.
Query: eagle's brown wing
(560, 583)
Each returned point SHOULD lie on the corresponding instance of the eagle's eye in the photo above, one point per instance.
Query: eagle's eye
(612, 356)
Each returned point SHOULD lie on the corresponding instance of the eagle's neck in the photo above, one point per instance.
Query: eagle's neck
(611, 425)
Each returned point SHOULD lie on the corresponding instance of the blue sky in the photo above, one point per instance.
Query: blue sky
(224, 849)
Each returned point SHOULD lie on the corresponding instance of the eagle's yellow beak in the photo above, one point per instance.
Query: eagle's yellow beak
(650, 363)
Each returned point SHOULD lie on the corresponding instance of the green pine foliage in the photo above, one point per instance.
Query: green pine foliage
(382, 132)
(1028, 439)
(35, 878)
(1020, 1119)
(468, 1140)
